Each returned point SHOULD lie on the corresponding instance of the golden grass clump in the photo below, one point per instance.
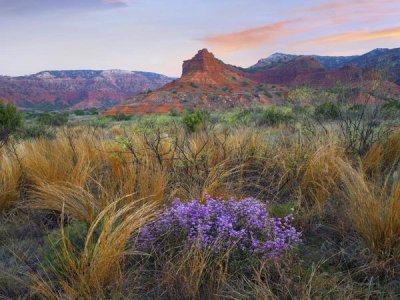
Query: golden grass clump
(321, 174)
(382, 157)
(10, 171)
(374, 210)
(82, 174)
(96, 272)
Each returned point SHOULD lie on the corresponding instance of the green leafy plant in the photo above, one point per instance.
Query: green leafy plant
(192, 120)
(327, 111)
(10, 121)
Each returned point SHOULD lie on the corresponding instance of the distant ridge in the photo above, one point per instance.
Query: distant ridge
(66, 89)
(380, 59)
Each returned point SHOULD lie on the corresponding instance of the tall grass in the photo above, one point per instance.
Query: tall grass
(95, 273)
(114, 181)
(10, 176)
(374, 210)
(321, 175)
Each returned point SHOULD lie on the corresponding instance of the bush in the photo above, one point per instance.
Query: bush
(173, 112)
(10, 121)
(121, 117)
(274, 116)
(84, 112)
(238, 226)
(327, 111)
(361, 126)
(35, 132)
(79, 112)
(192, 120)
(391, 109)
(52, 119)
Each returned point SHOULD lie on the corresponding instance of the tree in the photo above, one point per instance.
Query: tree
(10, 121)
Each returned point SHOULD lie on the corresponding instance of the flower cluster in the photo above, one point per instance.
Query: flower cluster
(220, 225)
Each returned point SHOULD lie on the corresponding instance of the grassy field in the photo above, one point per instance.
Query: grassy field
(74, 199)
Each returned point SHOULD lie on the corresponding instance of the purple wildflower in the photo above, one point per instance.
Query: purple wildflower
(220, 225)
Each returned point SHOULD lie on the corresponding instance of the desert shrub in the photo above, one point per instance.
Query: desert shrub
(173, 112)
(79, 112)
(52, 119)
(391, 109)
(101, 122)
(241, 116)
(260, 116)
(121, 117)
(10, 121)
(84, 112)
(274, 116)
(192, 120)
(35, 132)
(327, 111)
(220, 225)
(361, 126)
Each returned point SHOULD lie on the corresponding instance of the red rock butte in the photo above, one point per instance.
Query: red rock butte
(203, 61)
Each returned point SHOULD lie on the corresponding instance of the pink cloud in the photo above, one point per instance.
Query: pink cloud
(356, 36)
(252, 37)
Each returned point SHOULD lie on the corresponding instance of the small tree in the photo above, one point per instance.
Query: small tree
(192, 120)
(10, 121)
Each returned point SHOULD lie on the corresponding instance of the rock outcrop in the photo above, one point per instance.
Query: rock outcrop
(206, 82)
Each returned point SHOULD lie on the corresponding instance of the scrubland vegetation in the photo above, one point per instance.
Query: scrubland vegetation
(274, 203)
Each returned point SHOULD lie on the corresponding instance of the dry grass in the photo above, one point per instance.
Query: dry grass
(96, 271)
(115, 184)
(321, 174)
(374, 210)
(10, 171)
(382, 157)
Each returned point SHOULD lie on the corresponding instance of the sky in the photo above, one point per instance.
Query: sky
(157, 35)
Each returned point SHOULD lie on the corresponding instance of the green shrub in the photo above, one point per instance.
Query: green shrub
(52, 119)
(274, 116)
(101, 122)
(391, 109)
(79, 112)
(10, 121)
(35, 132)
(192, 120)
(327, 111)
(173, 113)
(121, 117)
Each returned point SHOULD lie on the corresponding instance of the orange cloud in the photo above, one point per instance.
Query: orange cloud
(357, 36)
(342, 11)
(252, 37)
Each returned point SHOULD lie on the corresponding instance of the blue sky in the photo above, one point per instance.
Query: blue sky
(157, 35)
